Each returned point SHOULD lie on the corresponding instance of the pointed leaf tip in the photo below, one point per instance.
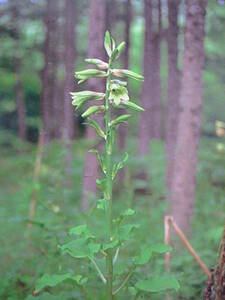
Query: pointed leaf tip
(107, 43)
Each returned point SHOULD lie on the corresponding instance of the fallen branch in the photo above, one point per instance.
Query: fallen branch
(169, 220)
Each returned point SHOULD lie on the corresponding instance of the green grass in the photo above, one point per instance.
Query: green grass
(24, 259)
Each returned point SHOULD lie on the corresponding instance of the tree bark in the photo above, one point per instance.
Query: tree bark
(150, 121)
(173, 87)
(190, 108)
(215, 289)
(156, 108)
(122, 131)
(46, 100)
(69, 116)
(97, 12)
(20, 104)
(145, 131)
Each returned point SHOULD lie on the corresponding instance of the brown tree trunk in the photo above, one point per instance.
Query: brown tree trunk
(97, 12)
(69, 116)
(172, 88)
(122, 131)
(190, 108)
(156, 108)
(46, 100)
(20, 104)
(144, 131)
(150, 121)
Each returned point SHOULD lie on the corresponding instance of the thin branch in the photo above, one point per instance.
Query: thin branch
(167, 242)
(116, 255)
(98, 270)
(189, 247)
(124, 282)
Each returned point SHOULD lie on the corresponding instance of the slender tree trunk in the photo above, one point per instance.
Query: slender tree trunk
(45, 97)
(144, 133)
(69, 116)
(190, 103)
(156, 109)
(122, 131)
(20, 104)
(151, 119)
(97, 12)
(172, 88)
(58, 92)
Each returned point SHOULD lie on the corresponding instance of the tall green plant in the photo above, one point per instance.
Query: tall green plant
(118, 233)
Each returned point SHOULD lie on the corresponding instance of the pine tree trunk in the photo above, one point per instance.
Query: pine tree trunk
(20, 104)
(172, 88)
(46, 100)
(190, 108)
(150, 125)
(69, 116)
(97, 12)
(156, 110)
(144, 131)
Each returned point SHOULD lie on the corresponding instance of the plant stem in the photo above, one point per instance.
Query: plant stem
(124, 282)
(98, 270)
(108, 193)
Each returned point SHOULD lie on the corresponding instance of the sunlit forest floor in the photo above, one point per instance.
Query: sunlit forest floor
(27, 254)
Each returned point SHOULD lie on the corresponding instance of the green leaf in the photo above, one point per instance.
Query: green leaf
(107, 43)
(110, 245)
(119, 165)
(97, 128)
(132, 290)
(128, 212)
(94, 248)
(84, 75)
(52, 280)
(113, 44)
(100, 159)
(120, 49)
(101, 204)
(147, 251)
(127, 73)
(93, 110)
(144, 257)
(81, 230)
(158, 284)
(81, 248)
(101, 184)
(125, 231)
(119, 120)
(133, 106)
(117, 51)
(98, 62)
(80, 98)
(161, 248)
(77, 248)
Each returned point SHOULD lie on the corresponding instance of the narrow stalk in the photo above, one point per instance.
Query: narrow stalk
(124, 282)
(108, 194)
(98, 270)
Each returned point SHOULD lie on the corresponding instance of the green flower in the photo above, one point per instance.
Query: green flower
(118, 94)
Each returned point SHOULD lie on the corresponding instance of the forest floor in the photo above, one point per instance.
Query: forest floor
(27, 254)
